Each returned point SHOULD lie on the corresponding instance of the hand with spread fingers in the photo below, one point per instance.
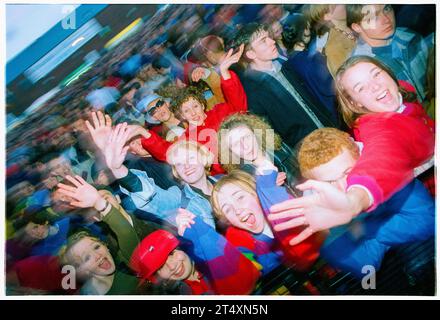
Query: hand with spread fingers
(101, 128)
(115, 150)
(327, 207)
(229, 60)
(184, 220)
(84, 194)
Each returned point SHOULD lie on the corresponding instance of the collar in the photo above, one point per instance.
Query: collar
(193, 192)
(362, 48)
(276, 66)
(402, 107)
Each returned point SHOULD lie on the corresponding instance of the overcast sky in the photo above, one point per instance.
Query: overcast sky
(27, 22)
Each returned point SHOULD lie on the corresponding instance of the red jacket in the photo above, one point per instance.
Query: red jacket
(199, 287)
(394, 144)
(206, 134)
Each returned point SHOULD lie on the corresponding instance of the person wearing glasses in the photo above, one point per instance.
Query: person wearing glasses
(160, 118)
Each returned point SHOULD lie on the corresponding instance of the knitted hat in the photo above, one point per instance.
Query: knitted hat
(152, 253)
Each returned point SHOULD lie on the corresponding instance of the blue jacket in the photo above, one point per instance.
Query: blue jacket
(408, 217)
(312, 68)
(148, 197)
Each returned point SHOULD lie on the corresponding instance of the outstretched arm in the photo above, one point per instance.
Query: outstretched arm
(156, 146)
(142, 190)
(300, 256)
(325, 208)
(388, 158)
(151, 141)
(85, 195)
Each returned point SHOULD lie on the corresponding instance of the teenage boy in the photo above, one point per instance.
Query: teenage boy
(327, 156)
(275, 91)
(403, 50)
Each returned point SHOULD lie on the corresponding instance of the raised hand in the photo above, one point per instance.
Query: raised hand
(184, 220)
(327, 207)
(115, 150)
(229, 60)
(197, 74)
(101, 129)
(84, 194)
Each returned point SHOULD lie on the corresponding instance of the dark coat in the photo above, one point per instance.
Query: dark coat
(268, 98)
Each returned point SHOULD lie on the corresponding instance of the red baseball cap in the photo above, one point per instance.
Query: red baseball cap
(152, 253)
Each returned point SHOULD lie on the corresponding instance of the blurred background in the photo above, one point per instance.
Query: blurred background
(58, 54)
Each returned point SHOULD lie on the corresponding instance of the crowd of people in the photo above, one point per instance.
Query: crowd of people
(223, 143)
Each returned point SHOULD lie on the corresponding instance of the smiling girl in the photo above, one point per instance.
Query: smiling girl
(241, 201)
(396, 132)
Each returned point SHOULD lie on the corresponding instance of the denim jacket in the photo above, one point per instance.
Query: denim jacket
(148, 197)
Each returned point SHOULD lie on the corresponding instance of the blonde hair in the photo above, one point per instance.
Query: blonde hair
(252, 122)
(237, 177)
(321, 146)
(205, 156)
(64, 252)
(347, 108)
(314, 14)
(65, 255)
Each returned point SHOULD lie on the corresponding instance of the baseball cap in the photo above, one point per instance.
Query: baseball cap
(152, 253)
(142, 106)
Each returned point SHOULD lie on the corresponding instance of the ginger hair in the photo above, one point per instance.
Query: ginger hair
(321, 146)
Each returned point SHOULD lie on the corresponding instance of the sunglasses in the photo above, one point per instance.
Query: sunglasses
(153, 109)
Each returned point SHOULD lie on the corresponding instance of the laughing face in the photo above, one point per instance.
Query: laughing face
(92, 258)
(371, 88)
(177, 267)
(241, 208)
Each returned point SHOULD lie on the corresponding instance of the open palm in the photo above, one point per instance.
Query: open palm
(327, 207)
(229, 60)
(84, 194)
(114, 150)
(101, 128)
